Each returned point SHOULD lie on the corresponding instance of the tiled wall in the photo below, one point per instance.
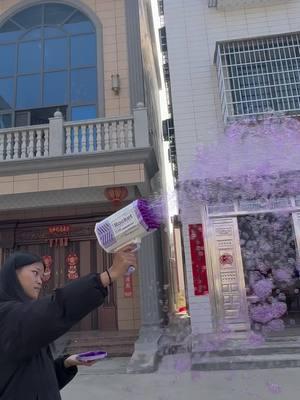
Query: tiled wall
(129, 308)
(72, 179)
(192, 32)
(111, 14)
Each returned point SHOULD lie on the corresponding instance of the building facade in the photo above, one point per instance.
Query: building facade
(226, 60)
(80, 136)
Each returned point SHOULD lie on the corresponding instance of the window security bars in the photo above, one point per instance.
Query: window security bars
(259, 76)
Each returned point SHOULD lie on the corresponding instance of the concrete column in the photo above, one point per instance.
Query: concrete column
(145, 356)
(56, 135)
(141, 126)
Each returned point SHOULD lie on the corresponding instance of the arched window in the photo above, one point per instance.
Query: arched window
(48, 60)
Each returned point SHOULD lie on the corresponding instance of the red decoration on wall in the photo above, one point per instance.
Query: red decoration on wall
(59, 235)
(226, 259)
(198, 260)
(58, 229)
(128, 286)
(48, 261)
(72, 263)
(116, 194)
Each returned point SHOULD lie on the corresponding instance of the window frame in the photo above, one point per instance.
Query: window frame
(268, 52)
(68, 69)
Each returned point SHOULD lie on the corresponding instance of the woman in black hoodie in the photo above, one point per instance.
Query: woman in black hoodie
(29, 324)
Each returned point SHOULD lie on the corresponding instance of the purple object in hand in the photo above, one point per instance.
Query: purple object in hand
(92, 356)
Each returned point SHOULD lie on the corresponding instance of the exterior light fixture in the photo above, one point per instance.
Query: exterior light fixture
(115, 83)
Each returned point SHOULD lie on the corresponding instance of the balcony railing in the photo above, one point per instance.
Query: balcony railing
(60, 138)
(24, 143)
(96, 135)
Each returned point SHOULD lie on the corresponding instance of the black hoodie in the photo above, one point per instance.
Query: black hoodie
(28, 327)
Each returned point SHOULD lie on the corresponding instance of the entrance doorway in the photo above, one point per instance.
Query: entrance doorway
(68, 255)
(246, 246)
(269, 253)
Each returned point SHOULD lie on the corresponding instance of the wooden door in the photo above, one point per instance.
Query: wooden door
(76, 257)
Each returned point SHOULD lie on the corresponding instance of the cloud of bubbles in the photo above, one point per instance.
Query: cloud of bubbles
(255, 161)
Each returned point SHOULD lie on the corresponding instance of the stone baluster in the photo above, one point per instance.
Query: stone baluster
(91, 142)
(121, 135)
(9, 146)
(24, 145)
(113, 143)
(16, 145)
(99, 141)
(76, 139)
(38, 143)
(31, 144)
(68, 140)
(129, 134)
(1, 146)
(84, 133)
(46, 142)
(106, 136)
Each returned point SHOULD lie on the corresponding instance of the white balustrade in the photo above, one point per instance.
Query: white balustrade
(82, 137)
(24, 143)
(98, 135)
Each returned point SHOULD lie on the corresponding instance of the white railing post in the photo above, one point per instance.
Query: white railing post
(141, 128)
(56, 135)
(2, 147)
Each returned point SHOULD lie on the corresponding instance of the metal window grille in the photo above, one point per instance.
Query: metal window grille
(212, 3)
(260, 75)
(163, 39)
(160, 7)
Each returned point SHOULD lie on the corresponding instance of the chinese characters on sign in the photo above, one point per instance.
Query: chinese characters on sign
(198, 260)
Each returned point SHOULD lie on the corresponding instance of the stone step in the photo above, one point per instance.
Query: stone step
(244, 362)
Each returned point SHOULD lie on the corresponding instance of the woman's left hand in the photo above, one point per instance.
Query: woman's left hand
(72, 361)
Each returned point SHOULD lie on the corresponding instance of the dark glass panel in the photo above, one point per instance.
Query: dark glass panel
(56, 54)
(83, 85)
(28, 91)
(83, 50)
(7, 59)
(30, 57)
(55, 88)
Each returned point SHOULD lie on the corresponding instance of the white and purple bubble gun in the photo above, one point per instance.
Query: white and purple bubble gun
(128, 226)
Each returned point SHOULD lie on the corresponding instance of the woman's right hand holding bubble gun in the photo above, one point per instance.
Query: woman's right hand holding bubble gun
(123, 258)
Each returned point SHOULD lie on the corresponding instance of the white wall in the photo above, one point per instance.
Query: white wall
(192, 32)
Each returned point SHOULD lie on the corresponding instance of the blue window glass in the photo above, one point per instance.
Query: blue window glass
(83, 88)
(5, 121)
(33, 34)
(79, 23)
(55, 88)
(50, 32)
(6, 93)
(56, 14)
(30, 57)
(83, 50)
(7, 59)
(83, 112)
(10, 32)
(56, 54)
(30, 17)
(48, 58)
(29, 91)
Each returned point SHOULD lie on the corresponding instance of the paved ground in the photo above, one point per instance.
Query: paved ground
(173, 381)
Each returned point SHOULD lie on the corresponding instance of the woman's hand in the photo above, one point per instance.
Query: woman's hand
(122, 260)
(72, 361)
